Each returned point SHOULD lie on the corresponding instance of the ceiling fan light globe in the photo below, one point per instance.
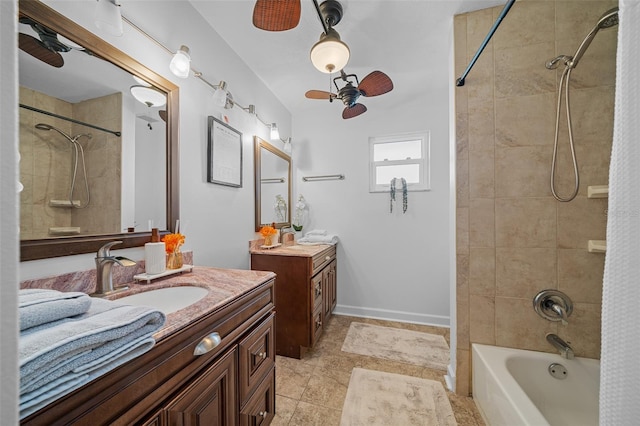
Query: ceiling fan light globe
(330, 54)
(180, 64)
(149, 96)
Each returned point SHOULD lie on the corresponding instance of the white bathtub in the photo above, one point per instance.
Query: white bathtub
(514, 387)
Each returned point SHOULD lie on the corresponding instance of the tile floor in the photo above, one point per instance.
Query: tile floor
(311, 391)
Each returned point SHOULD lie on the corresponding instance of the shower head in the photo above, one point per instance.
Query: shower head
(607, 20)
(42, 126)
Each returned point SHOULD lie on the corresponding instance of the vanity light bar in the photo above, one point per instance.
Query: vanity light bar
(251, 109)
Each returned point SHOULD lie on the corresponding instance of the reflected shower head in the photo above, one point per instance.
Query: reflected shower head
(607, 20)
(42, 126)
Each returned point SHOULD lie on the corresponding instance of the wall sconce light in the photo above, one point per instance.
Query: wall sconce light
(108, 17)
(275, 134)
(181, 63)
(222, 97)
(148, 96)
(287, 145)
(330, 54)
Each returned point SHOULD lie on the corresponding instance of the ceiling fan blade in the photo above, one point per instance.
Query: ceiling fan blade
(354, 111)
(276, 15)
(375, 83)
(38, 50)
(319, 94)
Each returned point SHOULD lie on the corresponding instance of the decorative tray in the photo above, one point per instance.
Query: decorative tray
(149, 277)
(271, 246)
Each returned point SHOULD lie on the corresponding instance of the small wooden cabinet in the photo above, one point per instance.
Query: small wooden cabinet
(306, 293)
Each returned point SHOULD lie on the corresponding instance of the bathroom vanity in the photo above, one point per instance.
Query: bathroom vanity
(231, 384)
(306, 290)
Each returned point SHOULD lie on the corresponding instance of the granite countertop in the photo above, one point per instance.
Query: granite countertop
(289, 250)
(223, 285)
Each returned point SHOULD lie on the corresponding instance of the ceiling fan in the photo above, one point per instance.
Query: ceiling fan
(374, 84)
(48, 47)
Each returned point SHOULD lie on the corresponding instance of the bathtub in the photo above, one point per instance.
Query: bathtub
(515, 387)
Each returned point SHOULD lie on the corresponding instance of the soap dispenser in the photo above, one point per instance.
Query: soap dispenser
(155, 259)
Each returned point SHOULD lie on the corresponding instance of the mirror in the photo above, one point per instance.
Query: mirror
(131, 149)
(273, 185)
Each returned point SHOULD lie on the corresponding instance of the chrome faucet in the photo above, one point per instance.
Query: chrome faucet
(553, 305)
(104, 262)
(560, 345)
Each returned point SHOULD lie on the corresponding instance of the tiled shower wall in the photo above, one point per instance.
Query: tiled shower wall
(513, 238)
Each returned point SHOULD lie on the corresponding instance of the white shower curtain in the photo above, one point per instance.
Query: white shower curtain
(620, 357)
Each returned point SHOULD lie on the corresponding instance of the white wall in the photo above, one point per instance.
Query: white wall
(9, 228)
(218, 221)
(390, 265)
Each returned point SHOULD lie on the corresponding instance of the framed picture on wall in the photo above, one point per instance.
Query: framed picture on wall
(224, 154)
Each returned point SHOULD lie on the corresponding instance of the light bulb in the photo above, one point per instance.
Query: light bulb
(275, 134)
(181, 63)
(330, 54)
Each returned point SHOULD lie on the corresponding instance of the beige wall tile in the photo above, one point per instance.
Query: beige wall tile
(522, 171)
(574, 19)
(481, 126)
(523, 272)
(520, 71)
(525, 222)
(463, 372)
(460, 43)
(462, 300)
(583, 330)
(580, 275)
(526, 120)
(481, 222)
(581, 220)
(462, 230)
(481, 173)
(518, 325)
(526, 23)
(482, 319)
(482, 271)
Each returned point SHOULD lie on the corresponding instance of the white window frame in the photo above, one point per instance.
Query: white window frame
(424, 162)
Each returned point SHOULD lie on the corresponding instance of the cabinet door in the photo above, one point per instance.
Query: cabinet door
(316, 291)
(261, 407)
(329, 290)
(257, 355)
(210, 400)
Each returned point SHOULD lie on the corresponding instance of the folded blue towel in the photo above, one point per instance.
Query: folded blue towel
(39, 306)
(71, 341)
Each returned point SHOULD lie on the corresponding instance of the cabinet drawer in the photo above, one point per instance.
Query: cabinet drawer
(322, 259)
(257, 356)
(261, 407)
(316, 325)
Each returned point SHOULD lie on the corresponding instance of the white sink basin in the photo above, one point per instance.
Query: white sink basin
(167, 300)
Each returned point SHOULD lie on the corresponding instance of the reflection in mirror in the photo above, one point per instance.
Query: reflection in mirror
(96, 164)
(273, 185)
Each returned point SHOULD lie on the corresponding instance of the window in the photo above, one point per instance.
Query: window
(400, 156)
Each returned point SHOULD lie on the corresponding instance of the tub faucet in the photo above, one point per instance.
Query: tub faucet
(560, 345)
(104, 262)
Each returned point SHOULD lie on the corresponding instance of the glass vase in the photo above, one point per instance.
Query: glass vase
(174, 260)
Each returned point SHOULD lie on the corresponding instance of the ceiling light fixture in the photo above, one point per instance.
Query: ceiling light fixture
(108, 17)
(220, 96)
(275, 134)
(181, 62)
(149, 96)
(287, 145)
(330, 54)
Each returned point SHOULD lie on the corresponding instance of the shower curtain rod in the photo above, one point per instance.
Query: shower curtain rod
(505, 10)
(41, 111)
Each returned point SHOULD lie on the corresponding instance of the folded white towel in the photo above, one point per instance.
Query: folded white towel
(316, 232)
(318, 239)
(44, 348)
(39, 306)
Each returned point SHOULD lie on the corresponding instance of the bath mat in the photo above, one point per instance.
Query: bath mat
(379, 398)
(411, 347)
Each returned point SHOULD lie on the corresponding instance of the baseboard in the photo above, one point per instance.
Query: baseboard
(389, 315)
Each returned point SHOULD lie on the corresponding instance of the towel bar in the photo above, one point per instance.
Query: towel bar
(323, 177)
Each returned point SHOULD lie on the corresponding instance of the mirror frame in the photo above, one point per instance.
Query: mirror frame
(258, 144)
(56, 247)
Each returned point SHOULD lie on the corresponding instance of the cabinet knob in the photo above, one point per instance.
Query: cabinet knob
(327, 258)
(207, 344)
(263, 414)
(262, 355)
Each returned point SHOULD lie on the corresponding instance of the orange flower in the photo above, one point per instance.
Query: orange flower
(268, 230)
(172, 242)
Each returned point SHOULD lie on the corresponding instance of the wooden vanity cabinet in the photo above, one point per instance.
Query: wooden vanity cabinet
(306, 294)
(232, 384)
